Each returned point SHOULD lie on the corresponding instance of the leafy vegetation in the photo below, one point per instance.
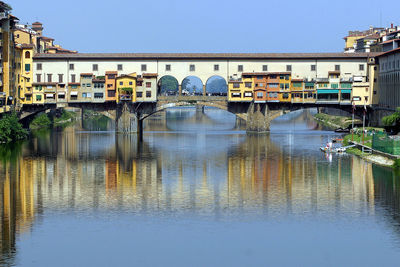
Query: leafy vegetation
(392, 118)
(65, 117)
(11, 130)
(335, 121)
(40, 121)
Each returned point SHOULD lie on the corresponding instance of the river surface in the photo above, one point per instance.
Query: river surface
(197, 191)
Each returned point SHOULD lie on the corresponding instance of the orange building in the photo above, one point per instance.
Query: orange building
(111, 88)
(273, 87)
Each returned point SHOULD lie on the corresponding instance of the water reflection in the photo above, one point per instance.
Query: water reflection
(220, 174)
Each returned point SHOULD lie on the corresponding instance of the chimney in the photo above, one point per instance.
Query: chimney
(391, 26)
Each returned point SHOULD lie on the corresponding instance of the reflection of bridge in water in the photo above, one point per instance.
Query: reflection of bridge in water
(102, 171)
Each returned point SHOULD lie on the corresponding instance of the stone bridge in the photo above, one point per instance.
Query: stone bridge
(129, 116)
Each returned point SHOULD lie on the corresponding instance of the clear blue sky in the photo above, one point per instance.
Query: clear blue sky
(204, 26)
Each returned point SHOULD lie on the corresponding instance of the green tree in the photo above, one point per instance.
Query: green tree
(11, 130)
(392, 119)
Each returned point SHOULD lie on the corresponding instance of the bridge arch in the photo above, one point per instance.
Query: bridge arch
(192, 85)
(167, 85)
(216, 86)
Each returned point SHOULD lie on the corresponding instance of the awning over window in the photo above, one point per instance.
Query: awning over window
(346, 91)
(61, 93)
(49, 95)
(74, 93)
(328, 91)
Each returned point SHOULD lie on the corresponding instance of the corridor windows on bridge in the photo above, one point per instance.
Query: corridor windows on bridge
(38, 78)
(192, 67)
(38, 66)
(265, 68)
(71, 67)
(119, 67)
(139, 94)
(95, 67)
(73, 78)
(216, 86)
(167, 67)
(168, 86)
(313, 67)
(148, 84)
(144, 67)
(288, 67)
(60, 78)
(216, 67)
(49, 78)
(337, 67)
(192, 86)
(361, 67)
(240, 68)
(148, 94)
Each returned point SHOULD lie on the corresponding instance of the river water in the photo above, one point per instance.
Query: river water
(197, 191)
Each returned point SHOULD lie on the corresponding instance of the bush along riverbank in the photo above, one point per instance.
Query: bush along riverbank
(376, 157)
(45, 121)
(335, 122)
(11, 130)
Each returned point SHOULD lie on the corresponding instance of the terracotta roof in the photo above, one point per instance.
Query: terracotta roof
(111, 72)
(74, 83)
(334, 72)
(390, 52)
(150, 75)
(263, 73)
(389, 41)
(44, 84)
(91, 56)
(86, 74)
(140, 79)
(99, 81)
(46, 38)
(297, 80)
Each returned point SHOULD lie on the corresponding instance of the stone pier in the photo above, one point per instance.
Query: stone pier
(257, 118)
(127, 120)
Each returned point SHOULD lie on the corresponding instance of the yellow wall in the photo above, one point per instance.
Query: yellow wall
(22, 37)
(362, 90)
(349, 41)
(123, 82)
(38, 91)
(26, 77)
(242, 90)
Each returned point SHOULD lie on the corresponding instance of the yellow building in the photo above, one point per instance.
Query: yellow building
(285, 80)
(241, 90)
(126, 88)
(38, 93)
(24, 73)
(297, 90)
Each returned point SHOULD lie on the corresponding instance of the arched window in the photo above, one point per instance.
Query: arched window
(27, 54)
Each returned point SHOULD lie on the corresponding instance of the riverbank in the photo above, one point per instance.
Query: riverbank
(45, 121)
(334, 122)
(374, 156)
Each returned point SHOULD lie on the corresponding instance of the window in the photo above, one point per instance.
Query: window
(216, 67)
(98, 95)
(248, 94)
(248, 84)
(121, 83)
(288, 67)
(38, 66)
(111, 93)
(27, 54)
(259, 94)
(139, 94)
(282, 86)
(240, 68)
(361, 67)
(286, 86)
(38, 78)
(236, 94)
(337, 67)
(49, 76)
(83, 95)
(260, 77)
(119, 67)
(148, 84)
(260, 85)
(130, 83)
(265, 67)
(148, 93)
(38, 97)
(95, 67)
(168, 67)
(61, 96)
(71, 66)
(313, 67)
(236, 85)
(192, 67)
(27, 67)
(139, 83)
(144, 67)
